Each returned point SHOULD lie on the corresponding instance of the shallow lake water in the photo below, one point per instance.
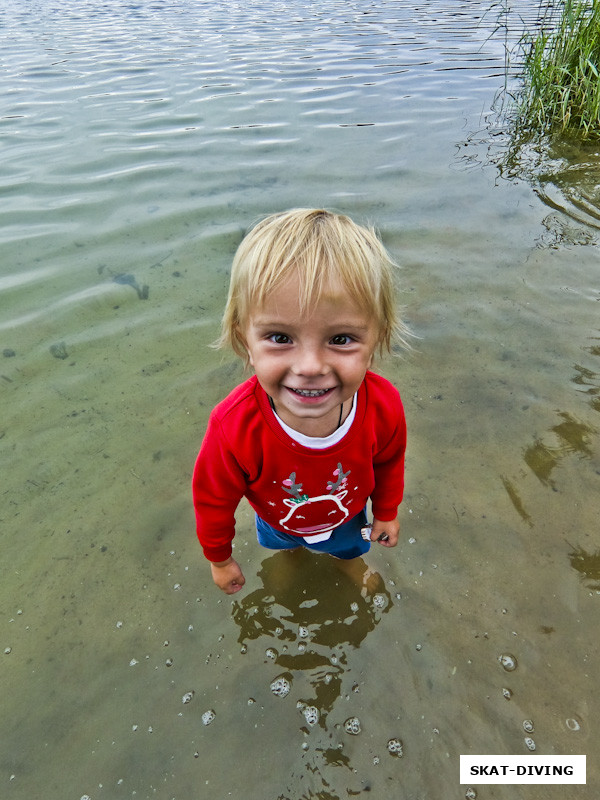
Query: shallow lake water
(139, 141)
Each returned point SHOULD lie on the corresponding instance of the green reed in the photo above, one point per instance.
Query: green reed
(561, 66)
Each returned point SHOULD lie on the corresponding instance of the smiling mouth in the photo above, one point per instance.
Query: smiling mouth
(310, 392)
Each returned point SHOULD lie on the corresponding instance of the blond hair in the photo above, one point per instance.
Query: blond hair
(323, 249)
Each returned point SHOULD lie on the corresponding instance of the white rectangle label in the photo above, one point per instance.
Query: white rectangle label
(522, 769)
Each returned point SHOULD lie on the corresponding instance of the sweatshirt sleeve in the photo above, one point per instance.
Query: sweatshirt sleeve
(388, 464)
(218, 485)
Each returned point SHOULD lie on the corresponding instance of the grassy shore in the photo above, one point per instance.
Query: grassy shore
(561, 73)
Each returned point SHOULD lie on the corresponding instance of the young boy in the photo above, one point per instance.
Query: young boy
(313, 434)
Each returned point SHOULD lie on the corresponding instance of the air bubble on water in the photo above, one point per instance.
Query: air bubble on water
(529, 743)
(278, 631)
(354, 607)
(187, 697)
(281, 686)
(380, 601)
(271, 653)
(251, 701)
(119, 624)
(508, 661)
(470, 794)
(528, 726)
(352, 726)
(398, 596)
(208, 717)
(507, 693)
(303, 631)
(572, 724)
(133, 662)
(395, 748)
(301, 647)
(243, 649)
(334, 660)
(311, 715)
(375, 760)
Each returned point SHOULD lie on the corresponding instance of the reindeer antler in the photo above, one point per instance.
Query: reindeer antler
(341, 477)
(291, 487)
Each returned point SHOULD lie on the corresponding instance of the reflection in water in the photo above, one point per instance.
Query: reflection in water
(573, 437)
(565, 174)
(587, 565)
(589, 379)
(312, 615)
(515, 499)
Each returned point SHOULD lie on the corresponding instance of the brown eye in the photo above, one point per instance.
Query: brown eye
(340, 339)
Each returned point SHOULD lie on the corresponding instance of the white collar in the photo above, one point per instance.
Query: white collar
(320, 442)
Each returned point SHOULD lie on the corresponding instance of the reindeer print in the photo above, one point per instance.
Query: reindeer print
(311, 515)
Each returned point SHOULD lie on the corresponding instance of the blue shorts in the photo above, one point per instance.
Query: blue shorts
(345, 540)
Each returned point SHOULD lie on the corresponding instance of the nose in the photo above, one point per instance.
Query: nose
(310, 361)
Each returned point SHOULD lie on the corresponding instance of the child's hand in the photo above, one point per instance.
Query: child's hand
(228, 576)
(391, 529)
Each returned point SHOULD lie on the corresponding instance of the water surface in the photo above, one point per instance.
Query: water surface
(138, 143)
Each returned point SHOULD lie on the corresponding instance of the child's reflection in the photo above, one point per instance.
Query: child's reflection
(312, 623)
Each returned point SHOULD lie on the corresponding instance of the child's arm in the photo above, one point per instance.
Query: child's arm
(228, 576)
(388, 466)
(218, 485)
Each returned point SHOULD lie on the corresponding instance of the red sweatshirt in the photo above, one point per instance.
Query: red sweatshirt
(296, 489)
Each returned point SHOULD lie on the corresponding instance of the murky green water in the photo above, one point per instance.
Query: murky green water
(138, 143)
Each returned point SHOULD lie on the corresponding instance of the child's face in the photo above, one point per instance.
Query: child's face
(310, 363)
